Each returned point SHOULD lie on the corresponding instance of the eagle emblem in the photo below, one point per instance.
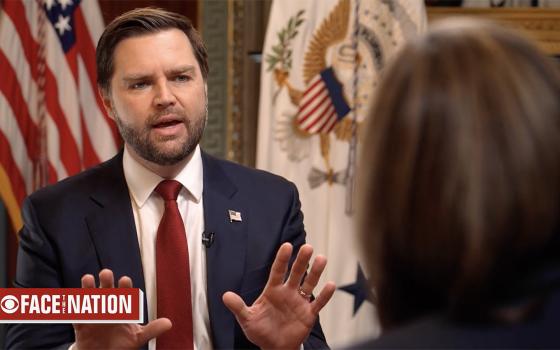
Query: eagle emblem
(339, 73)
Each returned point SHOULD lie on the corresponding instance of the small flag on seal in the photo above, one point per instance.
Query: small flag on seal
(234, 216)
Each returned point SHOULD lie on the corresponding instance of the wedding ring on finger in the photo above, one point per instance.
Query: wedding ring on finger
(304, 294)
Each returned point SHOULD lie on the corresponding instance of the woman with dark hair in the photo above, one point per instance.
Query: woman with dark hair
(460, 179)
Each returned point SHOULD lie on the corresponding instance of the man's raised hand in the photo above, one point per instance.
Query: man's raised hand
(113, 335)
(283, 315)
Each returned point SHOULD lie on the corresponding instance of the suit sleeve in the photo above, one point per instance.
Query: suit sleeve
(294, 233)
(36, 267)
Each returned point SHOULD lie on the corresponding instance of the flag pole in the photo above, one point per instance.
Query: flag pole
(40, 165)
(352, 150)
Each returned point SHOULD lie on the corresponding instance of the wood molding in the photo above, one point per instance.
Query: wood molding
(541, 25)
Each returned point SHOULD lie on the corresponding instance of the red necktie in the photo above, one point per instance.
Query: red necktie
(173, 273)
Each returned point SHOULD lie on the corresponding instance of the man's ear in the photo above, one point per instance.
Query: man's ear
(106, 98)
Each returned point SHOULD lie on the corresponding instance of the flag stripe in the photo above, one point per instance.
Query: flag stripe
(329, 112)
(315, 114)
(98, 129)
(319, 92)
(320, 113)
(71, 58)
(53, 122)
(329, 127)
(10, 88)
(23, 87)
(67, 110)
(65, 66)
(87, 53)
(89, 156)
(69, 148)
(307, 94)
(319, 102)
(326, 121)
(17, 16)
(11, 47)
(12, 167)
(10, 85)
(93, 21)
(53, 150)
(15, 154)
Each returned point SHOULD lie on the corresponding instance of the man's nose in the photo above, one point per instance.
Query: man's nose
(164, 96)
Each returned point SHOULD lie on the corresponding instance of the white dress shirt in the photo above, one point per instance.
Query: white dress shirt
(148, 207)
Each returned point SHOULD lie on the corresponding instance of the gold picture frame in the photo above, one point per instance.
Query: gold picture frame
(539, 24)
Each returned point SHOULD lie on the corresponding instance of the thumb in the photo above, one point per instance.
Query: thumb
(236, 305)
(154, 329)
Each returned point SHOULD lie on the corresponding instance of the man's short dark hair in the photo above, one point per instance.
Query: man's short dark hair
(138, 22)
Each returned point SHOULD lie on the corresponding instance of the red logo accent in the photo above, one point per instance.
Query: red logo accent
(71, 305)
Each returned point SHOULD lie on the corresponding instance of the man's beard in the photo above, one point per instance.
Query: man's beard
(149, 150)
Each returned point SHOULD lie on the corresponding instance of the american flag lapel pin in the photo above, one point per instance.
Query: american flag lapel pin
(234, 216)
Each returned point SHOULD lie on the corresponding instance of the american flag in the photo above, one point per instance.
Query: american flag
(322, 104)
(234, 215)
(52, 121)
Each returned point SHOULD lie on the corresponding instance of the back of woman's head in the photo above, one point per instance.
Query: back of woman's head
(460, 169)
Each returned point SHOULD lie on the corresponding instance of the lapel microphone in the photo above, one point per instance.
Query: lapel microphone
(207, 239)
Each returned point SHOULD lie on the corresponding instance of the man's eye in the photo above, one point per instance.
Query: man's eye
(139, 85)
(183, 78)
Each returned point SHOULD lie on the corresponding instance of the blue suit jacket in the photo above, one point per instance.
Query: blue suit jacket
(85, 223)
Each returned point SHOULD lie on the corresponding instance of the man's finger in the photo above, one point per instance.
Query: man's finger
(237, 306)
(154, 329)
(314, 274)
(125, 282)
(88, 281)
(299, 267)
(106, 279)
(323, 297)
(280, 265)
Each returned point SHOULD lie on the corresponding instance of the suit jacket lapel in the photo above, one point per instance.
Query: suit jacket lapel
(225, 258)
(112, 227)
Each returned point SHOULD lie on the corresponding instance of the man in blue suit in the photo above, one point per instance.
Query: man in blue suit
(241, 225)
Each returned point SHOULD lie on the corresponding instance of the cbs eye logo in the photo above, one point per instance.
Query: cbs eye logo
(9, 304)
